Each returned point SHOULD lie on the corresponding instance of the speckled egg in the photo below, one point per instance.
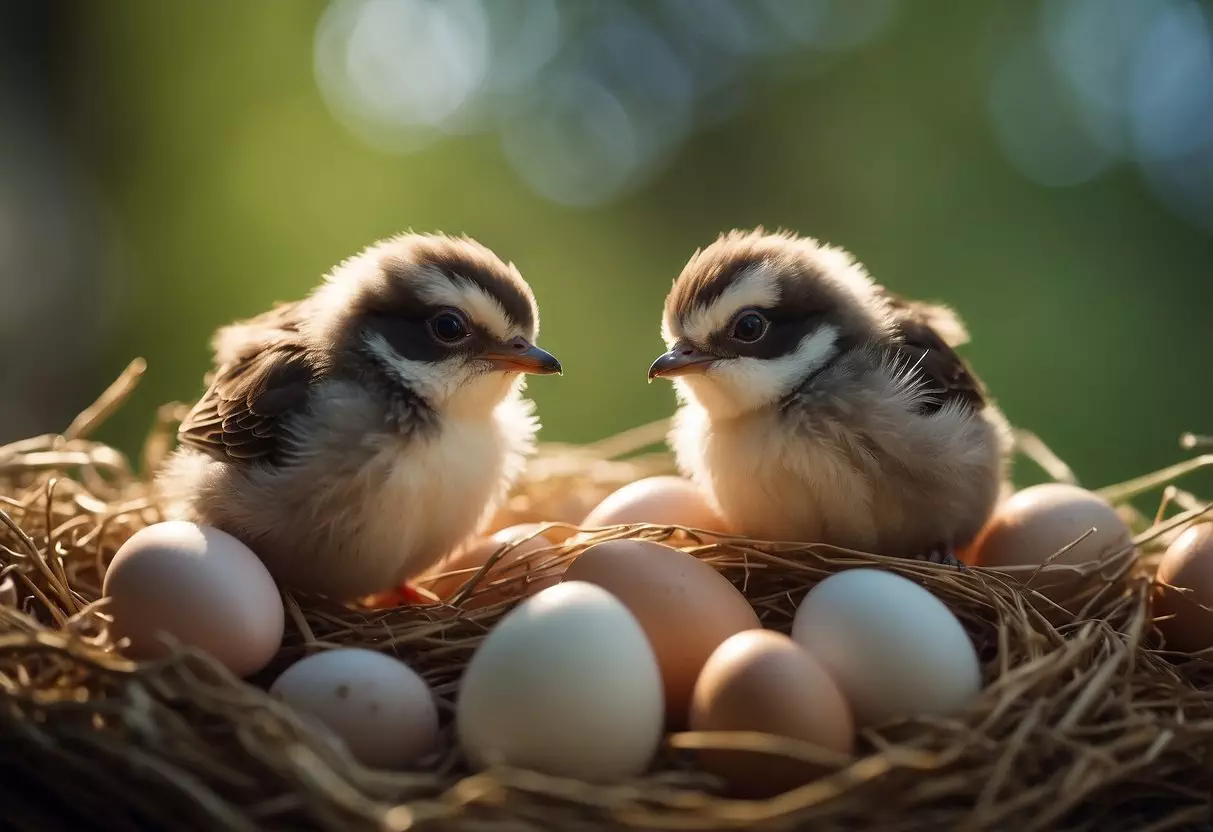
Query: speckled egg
(375, 704)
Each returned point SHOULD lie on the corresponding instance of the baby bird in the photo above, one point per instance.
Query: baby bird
(819, 407)
(354, 437)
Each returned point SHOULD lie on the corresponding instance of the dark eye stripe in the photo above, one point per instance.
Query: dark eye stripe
(781, 338)
(457, 259)
(705, 288)
(481, 267)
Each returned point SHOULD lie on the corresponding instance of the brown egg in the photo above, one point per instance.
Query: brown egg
(669, 501)
(685, 607)
(448, 576)
(763, 681)
(1039, 521)
(1187, 565)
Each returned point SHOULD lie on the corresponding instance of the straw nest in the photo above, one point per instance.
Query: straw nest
(1085, 721)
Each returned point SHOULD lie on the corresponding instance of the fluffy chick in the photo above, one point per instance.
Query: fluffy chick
(354, 437)
(819, 407)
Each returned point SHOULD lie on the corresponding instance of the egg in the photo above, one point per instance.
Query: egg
(449, 576)
(201, 586)
(662, 501)
(565, 684)
(685, 607)
(1037, 522)
(762, 681)
(1185, 585)
(377, 705)
(8, 592)
(894, 648)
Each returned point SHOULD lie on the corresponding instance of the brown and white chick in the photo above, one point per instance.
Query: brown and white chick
(354, 437)
(819, 407)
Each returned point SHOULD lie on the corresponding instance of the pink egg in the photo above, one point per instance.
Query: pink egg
(199, 585)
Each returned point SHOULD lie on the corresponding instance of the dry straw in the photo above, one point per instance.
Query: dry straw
(1085, 722)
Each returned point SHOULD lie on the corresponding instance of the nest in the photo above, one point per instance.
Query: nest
(1085, 722)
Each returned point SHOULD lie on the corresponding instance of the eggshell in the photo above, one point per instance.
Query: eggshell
(892, 646)
(763, 681)
(449, 576)
(1185, 578)
(8, 591)
(669, 501)
(566, 684)
(381, 709)
(200, 585)
(686, 608)
(1039, 521)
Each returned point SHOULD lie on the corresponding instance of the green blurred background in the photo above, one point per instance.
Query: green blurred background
(1047, 168)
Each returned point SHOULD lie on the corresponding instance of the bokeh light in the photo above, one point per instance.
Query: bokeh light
(590, 99)
(399, 69)
(1038, 124)
(1097, 82)
(581, 146)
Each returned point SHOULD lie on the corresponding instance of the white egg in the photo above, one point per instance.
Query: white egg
(377, 705)
(892, 646)
(565, 684)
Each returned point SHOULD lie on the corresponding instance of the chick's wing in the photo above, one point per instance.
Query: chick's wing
(926, 336)
(266, 377)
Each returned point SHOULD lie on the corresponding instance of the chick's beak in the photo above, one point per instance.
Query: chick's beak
(519, 355)
(683, 359)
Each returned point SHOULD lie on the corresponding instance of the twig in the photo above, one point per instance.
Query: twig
(109, 401)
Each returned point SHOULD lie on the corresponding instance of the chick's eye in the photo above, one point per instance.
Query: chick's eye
(448, 327)
(749, 327)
